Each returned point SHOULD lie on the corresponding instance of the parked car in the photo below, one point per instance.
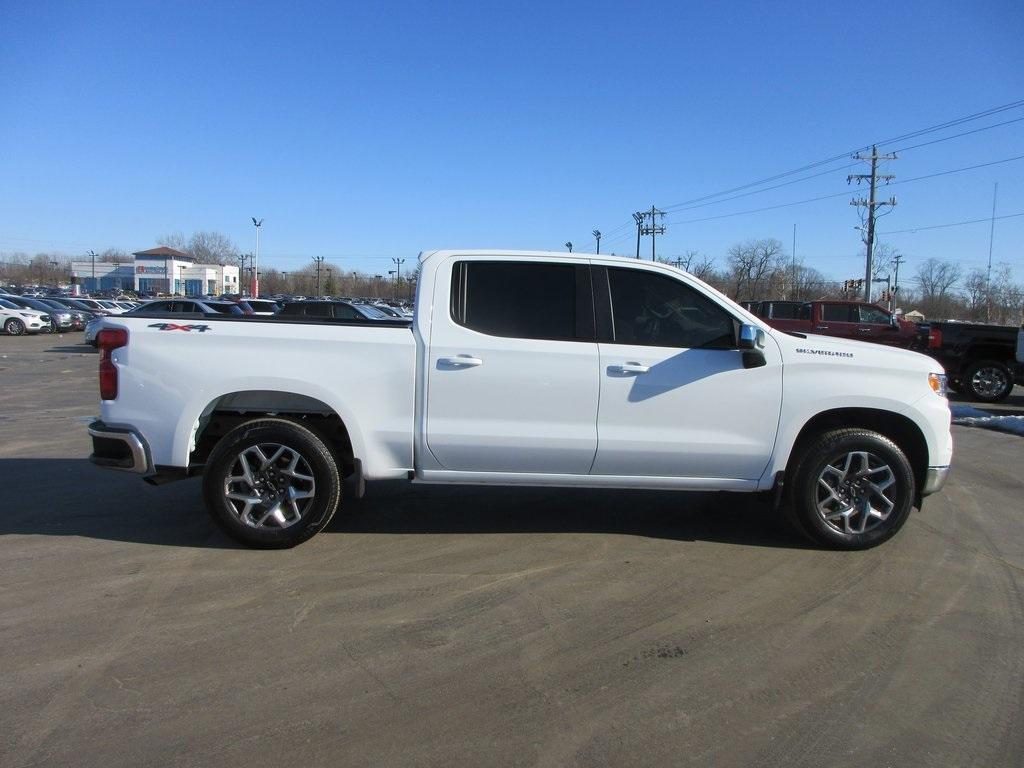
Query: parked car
(60, 321)
(981, 360)
(188, 306)
(341, 310)
(78, 317)
(100, 305)
(16, 320)
(263, 307)
(525, 369)
(77, 305)
(845, 319)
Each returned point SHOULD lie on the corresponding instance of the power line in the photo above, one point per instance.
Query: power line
(841, 194)
(953, 224)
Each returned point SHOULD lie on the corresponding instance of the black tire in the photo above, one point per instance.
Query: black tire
(987, 381)
(237, 518)
(824, 457)
(14, 327)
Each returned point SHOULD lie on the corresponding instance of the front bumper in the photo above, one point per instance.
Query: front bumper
(119, 448)
(934, 480)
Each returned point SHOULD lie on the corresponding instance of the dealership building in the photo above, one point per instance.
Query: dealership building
(158, 270)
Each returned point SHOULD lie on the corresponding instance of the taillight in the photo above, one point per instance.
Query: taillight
(108, 340)
(934, 338)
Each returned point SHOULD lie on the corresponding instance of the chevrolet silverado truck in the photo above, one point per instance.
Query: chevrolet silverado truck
(981, 359)
(524, 368)
(845, 319)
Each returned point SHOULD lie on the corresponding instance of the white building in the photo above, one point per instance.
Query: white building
(158, 270)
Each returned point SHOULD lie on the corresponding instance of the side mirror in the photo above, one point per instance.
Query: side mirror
(751, 337)
(751, 342)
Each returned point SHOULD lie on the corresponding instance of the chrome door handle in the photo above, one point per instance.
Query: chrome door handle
(821, 327)
(629, 368)
(461, 361)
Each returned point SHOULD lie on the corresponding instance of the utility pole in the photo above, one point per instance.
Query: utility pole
(284, 281)
(93, 254)
(794, 264)
(398, 272)
(597, 236)
(256, 261)
(871, 204)
(241, 274)
(653, 229)
(895, 282)
(319, 260)
(569, 246)
(991, 237)
(328, 284)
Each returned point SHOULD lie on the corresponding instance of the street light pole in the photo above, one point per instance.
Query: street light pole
(569, 246)
(93, 254)
(256, 260)
(398, 272)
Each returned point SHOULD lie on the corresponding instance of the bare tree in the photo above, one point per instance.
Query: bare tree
(698, 264)
(752, 266)
(935, 280)
(114, 256)
(205, 246)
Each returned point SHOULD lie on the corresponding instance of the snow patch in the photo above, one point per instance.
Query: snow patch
(974, 417)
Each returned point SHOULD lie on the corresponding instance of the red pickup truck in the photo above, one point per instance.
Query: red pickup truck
(847, 319)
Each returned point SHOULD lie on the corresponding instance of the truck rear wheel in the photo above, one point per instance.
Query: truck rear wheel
(271, 483)
(988, 381)
(852, 489)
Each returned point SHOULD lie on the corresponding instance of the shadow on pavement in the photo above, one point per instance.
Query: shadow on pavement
(82, 349)
(71, 497)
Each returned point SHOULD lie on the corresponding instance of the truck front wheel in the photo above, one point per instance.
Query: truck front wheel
(852, 489)
(988, 381)
(271, 483)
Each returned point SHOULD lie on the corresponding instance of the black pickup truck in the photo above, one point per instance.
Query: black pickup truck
(981, 360)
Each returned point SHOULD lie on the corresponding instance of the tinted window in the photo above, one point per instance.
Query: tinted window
(656, 310)
(156, 306)
(787, 310)
(345, 312)
(877, 315)
(293, 309)
(838, 313)
(522, 300)
(185, 306)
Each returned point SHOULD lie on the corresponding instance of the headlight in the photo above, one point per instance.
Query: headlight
(937, 381)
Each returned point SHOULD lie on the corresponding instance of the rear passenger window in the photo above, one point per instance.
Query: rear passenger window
(838, 313)
(518, 299)
(345, 312)
(655, 310)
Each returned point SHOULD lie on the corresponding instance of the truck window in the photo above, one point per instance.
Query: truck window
(345, 312)
(876, 315)
(654, 310)
(515, 299)
(839, 313)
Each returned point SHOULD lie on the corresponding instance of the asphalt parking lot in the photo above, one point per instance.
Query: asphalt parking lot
(479, 627)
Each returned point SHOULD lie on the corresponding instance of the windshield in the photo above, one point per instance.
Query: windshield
(8, 304)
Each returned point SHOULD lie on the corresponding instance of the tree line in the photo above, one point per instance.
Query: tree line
(751, 270)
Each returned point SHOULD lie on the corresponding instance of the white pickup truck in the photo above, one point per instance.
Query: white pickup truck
(524, 368)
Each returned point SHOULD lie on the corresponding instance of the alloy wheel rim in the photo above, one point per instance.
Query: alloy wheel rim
(270, 486)
(856, 492)
(988, 381)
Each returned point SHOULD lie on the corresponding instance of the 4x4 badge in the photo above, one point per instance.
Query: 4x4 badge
(176, 327)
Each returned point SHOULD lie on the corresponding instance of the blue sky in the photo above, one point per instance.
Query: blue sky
(370, 130)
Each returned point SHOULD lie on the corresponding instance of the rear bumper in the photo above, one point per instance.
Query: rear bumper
(119, 448)
(934, 480)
